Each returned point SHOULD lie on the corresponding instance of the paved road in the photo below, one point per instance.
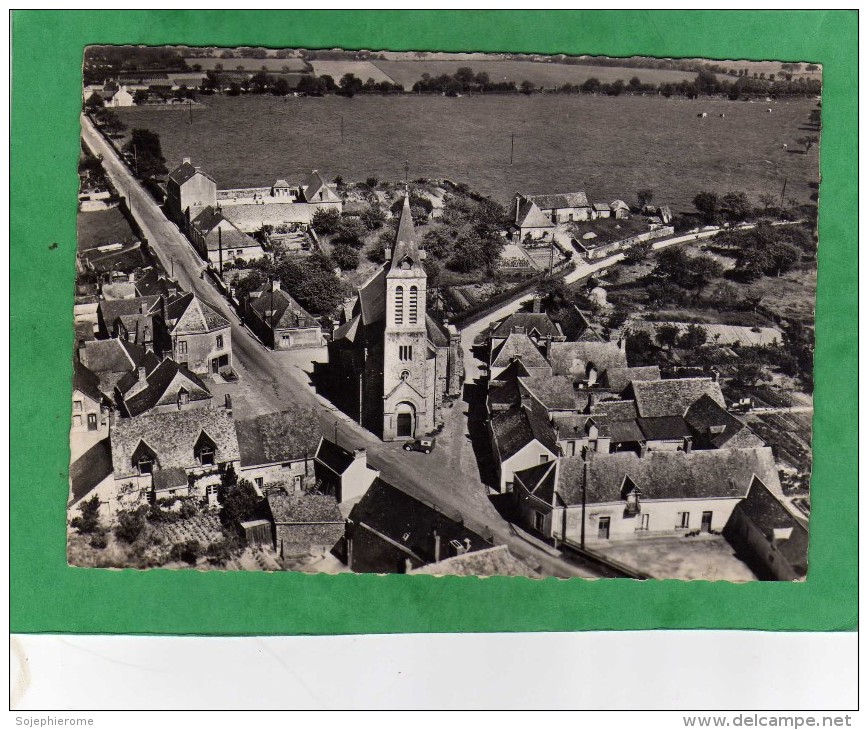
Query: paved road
(278, 382)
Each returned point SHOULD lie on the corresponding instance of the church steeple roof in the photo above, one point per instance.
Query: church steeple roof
(406, 248)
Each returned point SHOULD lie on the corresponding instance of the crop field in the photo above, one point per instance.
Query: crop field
(610, 147)
(546, 75)
(101, 227)
(272, 65)
(361, 69)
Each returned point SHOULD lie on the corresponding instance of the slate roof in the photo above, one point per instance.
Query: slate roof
(172, 437)
(207, 223)
(560, 200)
(625, 432)
(575, 325)
(528, 215)
(517, 427)
(283, 436)
(411, 523)
(86, 382)
(406, 245)
(317, 191)
(203, 317)
(481, 563)
(299, 508)
(541, 479)
(503, 390)
(571, 358)
(184, 172)
(288, 313)
(348, 331)
(713, 422)
(520, 345)
(334, 456)
(372, 297)
(112, 356)
(531, 321)
(673, 397)
(169, 478)
(617, 410)
(664, 428)
(88, 470)
(437, 334)
(718, 473)
(617, 379)
(556, 392)
(154, 282)
(112, 309)
(601, 207)
(159, 379)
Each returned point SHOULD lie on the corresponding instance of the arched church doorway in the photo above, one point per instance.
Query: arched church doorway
(406, 415)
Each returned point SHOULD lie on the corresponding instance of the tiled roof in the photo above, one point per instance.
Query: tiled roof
(316, 190)
(86, 382)
(437, 334)
(111, 356)
(517, 427)
(287, 312)
(372, 297)
(573, 358)
(664, 428)
(410, 522)
(172, 437)
(491, 561)
(287, 435)
(164, 382)
(91, 468)
(718, 473)
(617, 379)
(625, 432)
(713, 422)
(617, 410)
(192, 315)
(529, 215)
(555, 392)
(184, 172)
(519, 345)
(531, 321)
(540, 479)
(348, 331)
(562, 200)
(335, 457)
(304, 509)
(673, 397)
(575, 325)
(115, 308)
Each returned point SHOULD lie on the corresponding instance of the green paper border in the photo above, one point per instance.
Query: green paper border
(48, 596)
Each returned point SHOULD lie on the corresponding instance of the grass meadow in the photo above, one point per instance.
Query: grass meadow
(609, 147)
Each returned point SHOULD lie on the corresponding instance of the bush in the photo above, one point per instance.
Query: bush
(188, 509)
(372, 182)
(187, 551)
(345, 256)
(88, 522)
(220, 552)
(373, 217)
(99, 541)
(130, 524)
(352, 232)
(326, 220)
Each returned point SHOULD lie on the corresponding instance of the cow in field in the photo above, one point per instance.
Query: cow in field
(769, 111)
(784, 146)
(723, 116)
(703, 115)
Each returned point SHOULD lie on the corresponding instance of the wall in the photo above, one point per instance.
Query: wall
(529, 456)
(756, 550)
(611, 248)
(284, 473)
(663, 516)
(201, 348)
(298, 338)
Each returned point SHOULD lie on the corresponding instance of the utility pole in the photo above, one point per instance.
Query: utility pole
(584, 498)
(783, 190)
(512, 148)
(407, 173)
(219, 249)
(342, 128)
(190, 107)
(172, 259)
(136, 160)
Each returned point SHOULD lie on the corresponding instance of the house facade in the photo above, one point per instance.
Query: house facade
(341, 473)
(280, 321)
(188, 192)
(160, 386)
(219, 241)
(560, 207)
(199, 337)
(90, 411)
(521, 437)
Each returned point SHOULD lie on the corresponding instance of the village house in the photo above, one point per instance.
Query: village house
(279, 320)
(343, 474)
(110, 360)
(626, 496)
(177, 454)
(392, 365)
(304, 524)
(315, 191)
(199, 337)
(559, 208)
(160, 386)
(131, 320)
(535, 324)
(481, 563)
(189, 190)
(219, 241)
(601, 210)
(768, 536)
(389, 531)
(90, 475)
(585, 362)
(122, 97)
(277, 449)
(529, 222)
(521, 437)
(517, 346)
(90, 410)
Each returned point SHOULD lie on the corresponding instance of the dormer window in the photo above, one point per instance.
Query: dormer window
(204, 450)
(144, 459)
(183, 398)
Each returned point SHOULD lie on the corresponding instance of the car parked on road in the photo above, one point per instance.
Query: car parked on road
(425, 445)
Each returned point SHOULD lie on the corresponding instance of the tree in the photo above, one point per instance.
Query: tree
(667, 335)
(591, 85)
(373, 217)
(641, 349)
(346, 257)
(238, 499)
(735, 206)
(767, 201)
(638, 252)
(372, 182)
(326, 220)
(140, 97)
(527, 87)
(808, 142)
(749, 373)
(352, 232)
(708, 204)
(130, 524)
(187, 551)
(245, 284)
(144, 145)
(313, 283)
(644, 197)
(88, 521)
(350, 84)
(280, 87)
(94, 102)
(693, 337)
(634, 84)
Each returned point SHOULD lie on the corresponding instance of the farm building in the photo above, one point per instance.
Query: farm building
(620, 209)
(280, 321)
(530, 221)
(560, 208)
(343, 474)
(219, 241)
(304, 523)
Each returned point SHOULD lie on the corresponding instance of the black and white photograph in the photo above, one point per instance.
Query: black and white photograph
(463, 314)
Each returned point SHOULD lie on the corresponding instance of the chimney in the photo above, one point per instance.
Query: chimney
(467, 544)
(142, 375)
(275, 285)
(537, 304)
(227, 403)
(131, 278)
(143, 307)
(688, 444)
(436, 547)
(186, 161)
(388, 254)
(643, 450)
(593, 396)
(360, 454)
(715, 374)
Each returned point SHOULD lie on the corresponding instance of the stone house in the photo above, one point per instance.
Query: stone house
(219, 240)
(561, 207)
(280, 321)
(160, 386)
(277, 449)
(131, 320)
(521, 437)
(198, 336)
(343, 474)
(177, 454)
(90, 410)
(530, 222)
(189, 190)
(110, 360)
(315, 191)
(304, 523)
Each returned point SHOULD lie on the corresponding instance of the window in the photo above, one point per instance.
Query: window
(543, 458)
(77, 406)
(296, 482)
(145, 464)
(182, 347)
(539, 521)
(219, 342)
(76, 420)
(414, 295)
(682, 520)
(204, 450)
(211, 489)
(646, 520)
(91, 422)
(285, 339)
(259, 482)
(183, 397)
(405, 374)
(508, 486)
(405, 353)
(399, 305)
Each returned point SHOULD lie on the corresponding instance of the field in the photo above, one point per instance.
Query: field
(272, 65)
(609, 147)
(546, 75)
(361, 69)
(101, 227)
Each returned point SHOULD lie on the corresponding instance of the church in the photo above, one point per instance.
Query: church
(391, 364)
